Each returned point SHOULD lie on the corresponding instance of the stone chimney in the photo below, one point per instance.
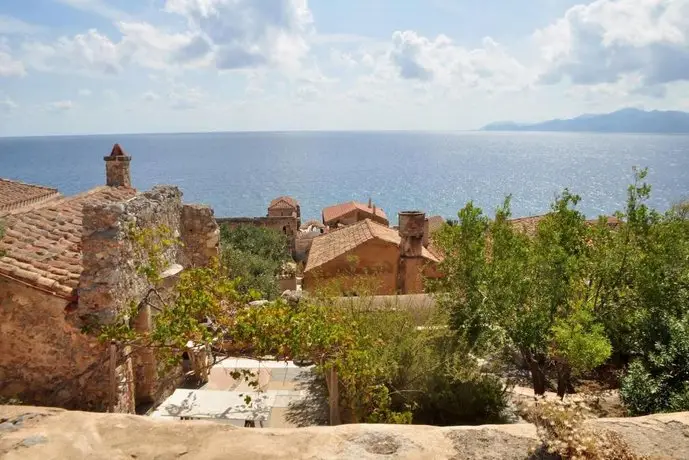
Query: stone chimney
(426, 233)
(411, 230)
(369, 202)
(117, 168)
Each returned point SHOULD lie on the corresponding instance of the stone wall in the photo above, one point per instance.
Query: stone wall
(47, 353)
(287, 225)
(111, 280)
(44, 357)
(41, 434)
(200, 235)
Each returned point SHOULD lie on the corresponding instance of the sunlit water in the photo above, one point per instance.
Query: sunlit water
(239, 173)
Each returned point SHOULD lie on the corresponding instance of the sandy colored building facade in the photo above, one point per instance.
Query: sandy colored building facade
(69, 267)
(368, 256)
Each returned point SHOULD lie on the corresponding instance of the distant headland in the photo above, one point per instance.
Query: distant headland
(622, 121)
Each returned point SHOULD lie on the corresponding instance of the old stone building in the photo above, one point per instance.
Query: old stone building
(352, 212)
(284, 216)
(284, 206)
(383, 259)
(69, 266)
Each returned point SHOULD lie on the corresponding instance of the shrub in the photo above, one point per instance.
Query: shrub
(562, 432)
(255, 256)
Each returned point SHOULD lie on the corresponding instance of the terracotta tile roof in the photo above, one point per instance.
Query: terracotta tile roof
(15, 195)
(117, 151)
(43, 246)
(284, 202)
(332, 245)
(335, 212)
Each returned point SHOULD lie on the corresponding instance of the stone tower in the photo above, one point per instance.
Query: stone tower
(411, 230)
(117, 172)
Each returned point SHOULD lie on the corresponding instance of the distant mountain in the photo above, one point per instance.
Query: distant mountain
(622, 121)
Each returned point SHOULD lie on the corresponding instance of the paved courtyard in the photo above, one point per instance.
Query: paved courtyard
(222, 399)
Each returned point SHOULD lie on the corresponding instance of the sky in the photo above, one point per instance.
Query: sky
(140, 66)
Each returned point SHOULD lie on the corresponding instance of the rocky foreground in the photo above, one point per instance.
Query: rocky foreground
(43, 433)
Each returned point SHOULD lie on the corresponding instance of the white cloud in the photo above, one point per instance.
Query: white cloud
(7, 105)
(9, 66)
(150, 47)
(606, 40)
(447, 64)
(182, 97)
(99, 7)
(12, 26)
(93, 53)
(89, 53)
(250, 33)
(85, 92)
(61, 106)
(150, 96)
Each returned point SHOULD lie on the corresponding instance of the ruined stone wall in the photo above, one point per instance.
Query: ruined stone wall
(200, 235)
(44, 356)
(111, 280)
(287, 225)
(48, 354)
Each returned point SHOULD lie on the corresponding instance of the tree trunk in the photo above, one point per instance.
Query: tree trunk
(536, 366)
(564, 377)
(332, 382)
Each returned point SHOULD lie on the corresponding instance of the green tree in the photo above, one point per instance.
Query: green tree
(255, 256)
(505, 289)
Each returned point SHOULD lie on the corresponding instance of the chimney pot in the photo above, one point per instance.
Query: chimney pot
(117, 173)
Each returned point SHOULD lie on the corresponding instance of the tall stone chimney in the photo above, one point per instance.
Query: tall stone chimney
(411, 230)
(117, 172)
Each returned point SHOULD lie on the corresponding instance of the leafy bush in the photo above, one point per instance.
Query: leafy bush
(255, 256)
(659, 380)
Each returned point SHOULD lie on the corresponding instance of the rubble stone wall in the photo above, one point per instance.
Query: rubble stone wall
(44, 357)
(200, 235)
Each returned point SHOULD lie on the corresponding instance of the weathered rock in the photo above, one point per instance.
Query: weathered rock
(57, 434)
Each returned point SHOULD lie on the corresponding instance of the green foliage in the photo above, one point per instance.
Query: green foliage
(255, 256)
(264, 242)
(658, 381)
(504, 289)
(151, 245)
(580, 341)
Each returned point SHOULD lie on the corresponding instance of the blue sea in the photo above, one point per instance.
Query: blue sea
(239, 173)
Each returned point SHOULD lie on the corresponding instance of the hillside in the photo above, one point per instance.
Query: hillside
(622, 121)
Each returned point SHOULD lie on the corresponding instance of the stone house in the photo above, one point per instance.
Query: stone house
(350, 213)
(396, 262)
(284, 206)
(68, 266)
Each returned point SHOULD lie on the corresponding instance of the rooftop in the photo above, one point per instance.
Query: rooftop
(15, 195)
(334, 212)
(42, 246)
(332, 245)
(284, 202)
